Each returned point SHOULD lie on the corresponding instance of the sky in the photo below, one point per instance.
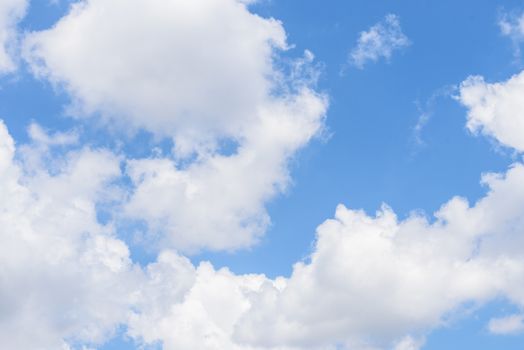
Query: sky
(261, 174)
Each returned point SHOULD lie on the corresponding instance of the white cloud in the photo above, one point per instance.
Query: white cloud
(64, 276)
(370, 283)
(507, 325)
(218, 203)
(196, 71)
(187, 307)
(512, 26)
(11, 11)
(379, 42)
(496, 109)
(201, 73)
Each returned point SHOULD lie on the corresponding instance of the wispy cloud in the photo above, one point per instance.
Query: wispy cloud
(512, 26)
(379, 42)
(507, 325)
(426, 111)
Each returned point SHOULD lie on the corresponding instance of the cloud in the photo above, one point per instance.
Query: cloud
(218, 203)
(65, 277)
(200, 73)
(194, 71)
(512, 26)
(11, 11)
(372, 282)
(379, 42)
(496, 109)
(507, 325)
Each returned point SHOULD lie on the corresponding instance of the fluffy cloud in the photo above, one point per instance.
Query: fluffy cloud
(202, 73)
(64, 276)
(10, 13)
(496, 109)
(187, 307)
(381, 279)
(379, 42)
(218, 203)
(196, 71)
(507, 325)
(371, 282)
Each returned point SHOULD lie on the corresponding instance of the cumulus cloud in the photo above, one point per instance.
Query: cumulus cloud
(65, 277)
(218, 203)
(372, 282)
(496, 109)
(380, 41)
(507, 325)
(11, 11)
(196, 71)
(200, 73)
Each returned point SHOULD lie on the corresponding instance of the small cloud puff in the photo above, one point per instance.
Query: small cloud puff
(379, 42)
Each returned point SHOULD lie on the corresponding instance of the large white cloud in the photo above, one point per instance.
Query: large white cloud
(218, 202)
(202, 73)
(371, 282)
(194, 70)
(496, 109)
(64, 276)
(11, 12)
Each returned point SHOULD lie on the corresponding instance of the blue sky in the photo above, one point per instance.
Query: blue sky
(172, 136)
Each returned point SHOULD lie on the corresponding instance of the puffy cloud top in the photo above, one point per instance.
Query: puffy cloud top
(496, 109)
